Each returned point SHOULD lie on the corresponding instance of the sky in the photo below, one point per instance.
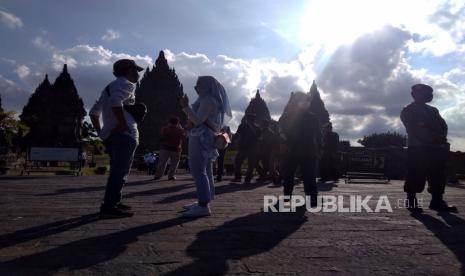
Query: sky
(363, 54)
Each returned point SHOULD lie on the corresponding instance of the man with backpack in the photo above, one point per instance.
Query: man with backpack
(118, 132)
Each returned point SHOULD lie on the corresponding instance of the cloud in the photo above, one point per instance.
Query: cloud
(41, 43)
(89, 66)
(111, 35)
(23, 71)
(10, 20)
(13, 97)
(364, 85)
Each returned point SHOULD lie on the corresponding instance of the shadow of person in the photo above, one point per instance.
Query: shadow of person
(239, 238)
(224, 189)
(92, 189)
(44, 230)
(450, 233)
(326, 186)
(158, 191)
(82, 253)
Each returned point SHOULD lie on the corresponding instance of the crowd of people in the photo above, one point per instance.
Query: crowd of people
(277, 151)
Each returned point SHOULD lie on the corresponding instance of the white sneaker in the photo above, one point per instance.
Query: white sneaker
(190, 205)
(197, 211)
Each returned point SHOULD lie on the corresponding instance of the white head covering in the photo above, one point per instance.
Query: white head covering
(216, 91)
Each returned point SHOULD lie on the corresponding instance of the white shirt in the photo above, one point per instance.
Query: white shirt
(121, 93)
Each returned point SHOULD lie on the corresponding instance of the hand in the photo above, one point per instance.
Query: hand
(120, 128)
(189, 125)
(184, 101)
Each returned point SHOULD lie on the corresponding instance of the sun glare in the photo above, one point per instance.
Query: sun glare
(333, 23)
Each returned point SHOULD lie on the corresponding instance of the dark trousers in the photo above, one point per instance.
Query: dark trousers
(307, 166)
(121, 149)
(426, 163)
(251, 156)
(220, 168)
(264, 159)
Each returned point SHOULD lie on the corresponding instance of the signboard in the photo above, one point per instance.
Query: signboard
(54, 154)
(366, 161)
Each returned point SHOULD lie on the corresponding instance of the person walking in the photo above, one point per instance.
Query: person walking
(205, 118)
(170, 148)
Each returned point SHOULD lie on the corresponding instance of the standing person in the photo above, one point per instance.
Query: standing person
(206, 116)
(265, 149)
(248, 134)
(119, 133)
(301, 135)
(329, 158)
(428, 150)
(170, 148)
(220, 160)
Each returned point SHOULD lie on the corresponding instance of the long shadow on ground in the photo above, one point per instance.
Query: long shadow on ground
(44, 230)
(93, 189)
(239, 238)
(224, 189)
(450, 233)
(82, 253)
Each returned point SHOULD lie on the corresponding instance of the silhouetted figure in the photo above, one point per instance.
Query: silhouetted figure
(150, 160)
(119, 133)
(206, 116)
(277, 157)
(428, 150)
(220, 160)
(301, 134)
(170, 148)
(248, 134)
(329, 159)
(265, 148)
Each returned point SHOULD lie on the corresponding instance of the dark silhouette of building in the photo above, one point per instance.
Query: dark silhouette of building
(54, 113)
(317, 106)
(258, 107)
(160, 90)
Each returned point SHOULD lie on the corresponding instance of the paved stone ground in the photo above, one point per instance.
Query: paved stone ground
(49, 227)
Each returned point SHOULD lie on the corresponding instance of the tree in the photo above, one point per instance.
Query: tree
(10, 128)
(88, 132)
(384, 140)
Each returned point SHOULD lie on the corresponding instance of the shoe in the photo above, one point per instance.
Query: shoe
(441, 206)
(171, 178)
(190, 206)
(122, 206)
(197, 211)
(219, 179)
(313, 201)
(156, 178)
(412, 205)
(108, 213)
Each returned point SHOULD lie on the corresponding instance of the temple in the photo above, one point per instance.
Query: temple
(258, 106)
(160, 90)
(54, 114)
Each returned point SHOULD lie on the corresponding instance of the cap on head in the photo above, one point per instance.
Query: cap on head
(120, 66)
